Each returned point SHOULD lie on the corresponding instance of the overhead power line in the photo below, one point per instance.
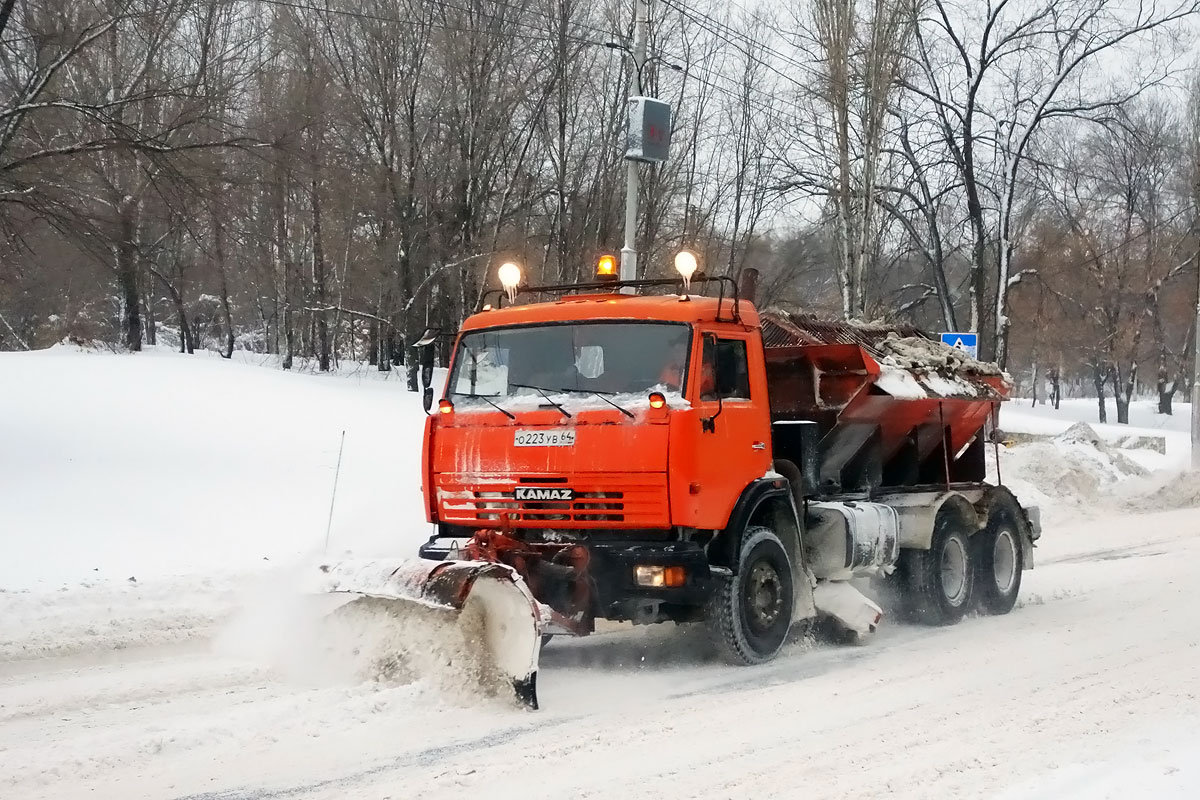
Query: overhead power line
(724, 31)
(536, 34)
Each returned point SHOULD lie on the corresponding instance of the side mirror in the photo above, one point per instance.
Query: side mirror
(426, 366)
(709, 424)
(424, 349)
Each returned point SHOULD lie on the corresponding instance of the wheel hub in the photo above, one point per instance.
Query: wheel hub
(1004, 561)
(954, 571)
(764, 594)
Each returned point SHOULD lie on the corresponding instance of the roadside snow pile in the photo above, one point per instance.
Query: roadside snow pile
(1073, 471)
(110, 616)
(1179, 490)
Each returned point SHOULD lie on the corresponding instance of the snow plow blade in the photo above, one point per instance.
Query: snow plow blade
(490, 604)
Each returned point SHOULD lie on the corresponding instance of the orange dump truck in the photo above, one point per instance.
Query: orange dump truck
(676, 457)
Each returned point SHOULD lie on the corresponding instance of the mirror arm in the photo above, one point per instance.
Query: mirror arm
(709, 424)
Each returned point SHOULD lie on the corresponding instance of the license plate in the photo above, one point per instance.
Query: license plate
(546, 438)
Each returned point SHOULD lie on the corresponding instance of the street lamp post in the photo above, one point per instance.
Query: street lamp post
(641, 35)
(1196, 381)
(641, 28)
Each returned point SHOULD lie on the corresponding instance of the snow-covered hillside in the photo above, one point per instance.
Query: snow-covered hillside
(157, 514)
(157, 464)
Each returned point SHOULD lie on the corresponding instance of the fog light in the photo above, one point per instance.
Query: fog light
(659, 577)
(644, 575)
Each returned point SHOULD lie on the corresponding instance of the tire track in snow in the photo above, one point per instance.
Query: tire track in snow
(422, 758)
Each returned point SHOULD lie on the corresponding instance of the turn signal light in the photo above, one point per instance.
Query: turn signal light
(606, 268)
(445, 406)
(657, 400)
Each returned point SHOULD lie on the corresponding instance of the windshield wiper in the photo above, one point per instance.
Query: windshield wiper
(543, 392)
(599, 394)
(487, 399)
(624, 411)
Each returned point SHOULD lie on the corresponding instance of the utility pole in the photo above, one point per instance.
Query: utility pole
(641, 33)
(1196, 374)
(1196, 232)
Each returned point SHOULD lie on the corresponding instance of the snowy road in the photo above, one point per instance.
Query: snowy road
(1100, 663)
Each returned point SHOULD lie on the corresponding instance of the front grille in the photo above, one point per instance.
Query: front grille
(581, 509)
(629, 500)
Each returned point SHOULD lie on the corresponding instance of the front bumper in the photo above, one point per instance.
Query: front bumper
(615, 595)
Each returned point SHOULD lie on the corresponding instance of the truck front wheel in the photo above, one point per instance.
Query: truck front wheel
(938, 582)
(750, 613)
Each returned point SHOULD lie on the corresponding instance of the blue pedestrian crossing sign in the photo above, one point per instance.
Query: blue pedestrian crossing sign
(963, 341)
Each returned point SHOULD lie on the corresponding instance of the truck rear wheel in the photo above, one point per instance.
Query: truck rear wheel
(750, 613)
(999, 559)
(939, 582)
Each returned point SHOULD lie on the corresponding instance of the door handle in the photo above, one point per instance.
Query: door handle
(759, 445)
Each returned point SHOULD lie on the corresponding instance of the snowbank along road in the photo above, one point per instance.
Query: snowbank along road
(217, 682)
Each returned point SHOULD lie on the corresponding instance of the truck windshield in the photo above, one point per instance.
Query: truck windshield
(609, 358)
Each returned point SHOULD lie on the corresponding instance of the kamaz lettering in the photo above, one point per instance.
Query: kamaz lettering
(543, 493)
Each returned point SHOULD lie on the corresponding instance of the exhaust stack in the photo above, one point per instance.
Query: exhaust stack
(748, 287)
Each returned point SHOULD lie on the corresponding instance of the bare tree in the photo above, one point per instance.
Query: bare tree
(994, 81)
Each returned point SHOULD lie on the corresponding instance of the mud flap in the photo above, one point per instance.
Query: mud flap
(851, 608)
(491, 602)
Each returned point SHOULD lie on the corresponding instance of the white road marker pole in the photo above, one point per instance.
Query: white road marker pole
(333, 495)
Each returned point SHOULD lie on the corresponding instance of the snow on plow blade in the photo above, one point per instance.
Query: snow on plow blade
(490, 604)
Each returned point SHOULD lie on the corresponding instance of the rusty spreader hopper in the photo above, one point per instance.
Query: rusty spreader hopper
(892, 407)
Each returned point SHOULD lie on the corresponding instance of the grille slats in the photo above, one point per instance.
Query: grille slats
(630, 500)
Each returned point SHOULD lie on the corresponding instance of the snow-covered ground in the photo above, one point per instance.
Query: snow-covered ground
(208, 484)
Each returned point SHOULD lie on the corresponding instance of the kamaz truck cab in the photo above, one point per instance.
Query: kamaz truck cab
(610, 444)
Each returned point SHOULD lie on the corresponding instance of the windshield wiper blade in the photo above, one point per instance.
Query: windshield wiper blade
(599, 394)
(487, 399)
(612, 403)
(543, 392)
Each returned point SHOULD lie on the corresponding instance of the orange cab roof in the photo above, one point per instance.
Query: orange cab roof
(666, 308)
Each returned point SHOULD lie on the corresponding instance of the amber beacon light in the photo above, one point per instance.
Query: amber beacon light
(606, 268)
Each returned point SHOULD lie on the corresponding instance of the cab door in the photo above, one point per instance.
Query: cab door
(733, 445)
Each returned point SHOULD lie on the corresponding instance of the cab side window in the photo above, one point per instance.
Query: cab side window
(724, 373)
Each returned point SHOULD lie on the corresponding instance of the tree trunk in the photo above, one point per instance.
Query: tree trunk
(226, 310)
(1123, 391)
(1165, 387)
(1098, 378)
(149, 321)
(373, 342)
(1183, 370)
(186, 341)
(127, 281)
(318, 283)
